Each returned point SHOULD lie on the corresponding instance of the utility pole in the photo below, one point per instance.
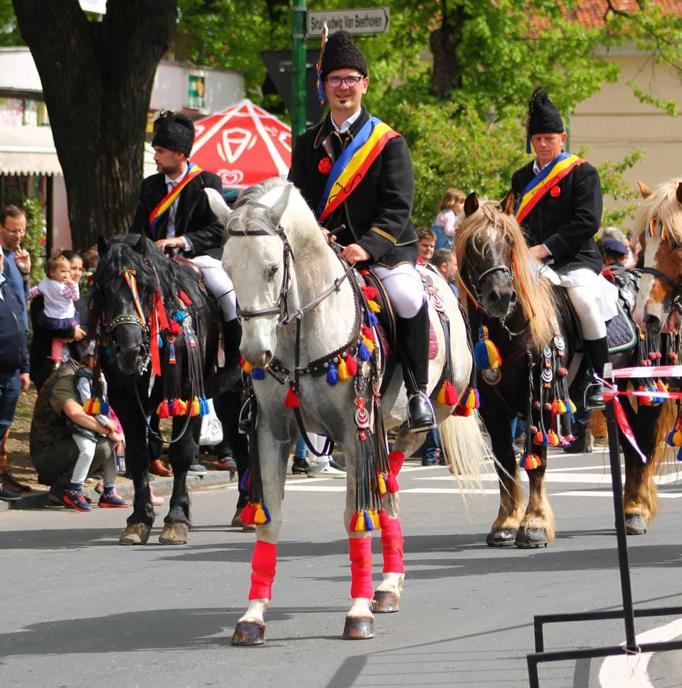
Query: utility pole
(298, 55)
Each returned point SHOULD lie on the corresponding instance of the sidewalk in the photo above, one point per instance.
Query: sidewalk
(124, 487)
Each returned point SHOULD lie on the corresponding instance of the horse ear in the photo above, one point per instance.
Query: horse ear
(678, 193)
(141, 244)
(471, 204)
(645, 190)
(218, 206)
(507, 203)
(275, 213)
(102, 245)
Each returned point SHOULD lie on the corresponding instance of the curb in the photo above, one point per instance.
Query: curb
(162, 487)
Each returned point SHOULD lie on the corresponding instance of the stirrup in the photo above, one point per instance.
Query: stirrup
(594, 396)
(427, 420)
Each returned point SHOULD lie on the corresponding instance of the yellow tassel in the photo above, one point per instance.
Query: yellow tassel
(92, 406)
(360, 524)
(342, 370)
(677, 438)
(381, 484)
(374, 306)
(493, 354)
(247, 367)
(471, 400)
(562, 407)
(259, 517)
(441, 396)
(182, 407)
(369, 344)
(573, 407)
(195, 407)
(374, 515)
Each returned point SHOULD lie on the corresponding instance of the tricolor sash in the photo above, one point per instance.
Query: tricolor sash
(170, 198)
(541, 183)
(352, 165)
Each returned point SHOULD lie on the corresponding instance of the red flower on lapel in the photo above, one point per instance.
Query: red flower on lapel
(555, 191)
(324, 166)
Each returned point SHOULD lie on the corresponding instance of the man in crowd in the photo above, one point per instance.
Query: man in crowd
(355, 173)
(13, 373)
(445, 261)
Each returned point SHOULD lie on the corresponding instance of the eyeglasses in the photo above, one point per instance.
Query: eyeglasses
(350, 81)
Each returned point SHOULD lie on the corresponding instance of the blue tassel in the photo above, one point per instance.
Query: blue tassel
(203, 406)
(268, 518)
(245, 482)
(159, 340)
(679, 454)
(368, 521)
(481, 355)
(179, 316)
(332, 374)
(363, 352)
(258, 374)
(370, 319)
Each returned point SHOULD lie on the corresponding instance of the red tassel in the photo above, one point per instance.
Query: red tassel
(353, 522)
(383, 518)
(248, 513)
(391, 483)
(184, 298)
(163, 410)
(395, 461)
(291, 400)
(370, 293)
(367, 332)
(351, 365)
(450, 393)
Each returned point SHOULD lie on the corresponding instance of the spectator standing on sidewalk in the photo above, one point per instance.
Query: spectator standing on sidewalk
(13, 374)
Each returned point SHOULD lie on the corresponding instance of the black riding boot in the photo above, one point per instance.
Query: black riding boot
(232, 332)
(598, 353)
(413, 347)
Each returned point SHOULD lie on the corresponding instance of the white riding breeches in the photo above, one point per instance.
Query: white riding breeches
(585, 290)
(219, 284)
(404, 287)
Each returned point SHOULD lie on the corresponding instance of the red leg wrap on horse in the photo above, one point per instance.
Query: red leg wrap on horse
(392, 546)
(361, 567)
(263, 566)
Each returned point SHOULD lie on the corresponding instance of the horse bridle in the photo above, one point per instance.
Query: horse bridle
(281, 307)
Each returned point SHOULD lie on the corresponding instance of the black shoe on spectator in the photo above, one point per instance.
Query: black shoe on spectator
(300, 466)
(197, 469)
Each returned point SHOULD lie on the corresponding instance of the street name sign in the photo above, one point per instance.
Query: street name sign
(359, 21)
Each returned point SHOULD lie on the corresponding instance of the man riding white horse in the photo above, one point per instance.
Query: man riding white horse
(559, 206)
(355, 173)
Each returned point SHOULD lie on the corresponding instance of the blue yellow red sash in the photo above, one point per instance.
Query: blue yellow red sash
(353, 164)
(548, 178)
(169, 199)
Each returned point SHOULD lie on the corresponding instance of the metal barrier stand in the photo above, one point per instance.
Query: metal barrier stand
(627, 613)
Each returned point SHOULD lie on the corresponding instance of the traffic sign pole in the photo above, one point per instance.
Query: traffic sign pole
(298, 110)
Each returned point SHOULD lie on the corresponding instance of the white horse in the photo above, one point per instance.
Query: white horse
(288, 278)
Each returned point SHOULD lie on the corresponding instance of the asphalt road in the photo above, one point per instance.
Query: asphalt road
(79, 610)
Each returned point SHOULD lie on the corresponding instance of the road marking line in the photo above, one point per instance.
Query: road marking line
(630, 671)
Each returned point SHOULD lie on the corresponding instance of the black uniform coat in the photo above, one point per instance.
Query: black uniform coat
(566, 223)
(377, 213)
(194, 216)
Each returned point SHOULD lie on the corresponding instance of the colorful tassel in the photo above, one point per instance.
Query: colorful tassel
(391, 483)
(92, 406)
(194, 407)
(363, 352)
(374, 306)
(261, 515)
(245, 482)
(395, 461)
(291, 400)
(163, 411)
(530, 461)
(171, 350)
(342, 369)
(553, 438)
(381, 484)
(179, 316)
(370, 292)
(258, 374)
(203, 406)
(332, 374)
(486, 353)
(369, 521)
(246, 367)
(383, 518)
(368, 343)
(248, 513)
(351, 365)
(473, 401)
(368, 333)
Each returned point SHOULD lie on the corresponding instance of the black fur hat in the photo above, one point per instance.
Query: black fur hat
(174, 131)
(543, 117)
(340, 52)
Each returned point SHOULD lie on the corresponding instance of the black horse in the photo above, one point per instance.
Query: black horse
(158, 335)
(525, 320)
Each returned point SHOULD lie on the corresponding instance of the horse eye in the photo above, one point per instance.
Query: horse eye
(272, 271)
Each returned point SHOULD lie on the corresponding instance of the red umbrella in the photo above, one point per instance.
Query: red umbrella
(243, 145)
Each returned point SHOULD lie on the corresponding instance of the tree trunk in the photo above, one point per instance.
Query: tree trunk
(97, 80)
(443, 41)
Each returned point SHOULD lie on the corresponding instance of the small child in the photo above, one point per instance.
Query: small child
(60, 294)
(445, 224)
(86, 441)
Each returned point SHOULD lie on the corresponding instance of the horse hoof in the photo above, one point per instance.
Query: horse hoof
(358, 628)
(502, 537)
(635, 524)
(385, 602)
(528, 538)
(248, 633)
(174, 534)
(135, 534)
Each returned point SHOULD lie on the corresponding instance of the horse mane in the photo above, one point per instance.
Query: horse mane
(152, 269)
(662, 203)
(489, 225)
